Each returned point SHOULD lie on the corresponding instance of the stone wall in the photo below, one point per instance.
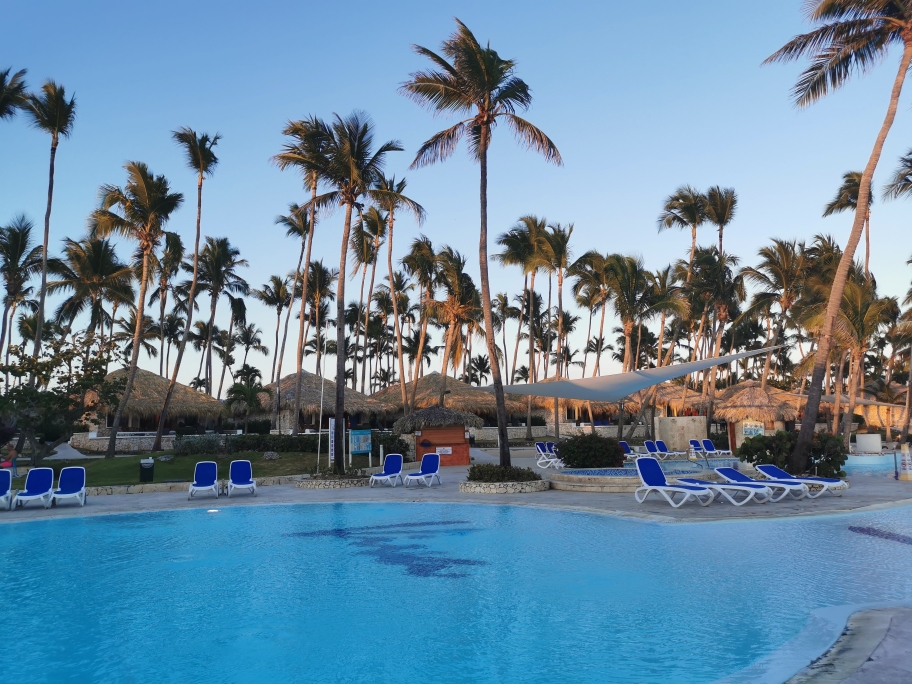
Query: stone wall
(85, 442)
(504, 487)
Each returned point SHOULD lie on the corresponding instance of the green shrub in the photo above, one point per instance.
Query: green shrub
(591, 451)
(826, 458)
(489, 472)
(719, 439)
(392, 444)
(280, 443)
(186, 445)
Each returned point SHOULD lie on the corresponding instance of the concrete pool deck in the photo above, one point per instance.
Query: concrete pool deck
(865, 493)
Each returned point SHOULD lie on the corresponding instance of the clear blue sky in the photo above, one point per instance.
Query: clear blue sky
(639, 97)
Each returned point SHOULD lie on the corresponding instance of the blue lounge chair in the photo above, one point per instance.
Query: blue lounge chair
(798, 490)
(664, 448)
(826, 484)
(205, 479)
(628, 452)
(39, 486)
(392, 471)
(726, 490)
(654, 450)
(695, 447)
(6, 489)
(71, 485)
(550, 446)
(544, 457)
(240, 476)
(653, 480)
(710, 449)
(430, 468)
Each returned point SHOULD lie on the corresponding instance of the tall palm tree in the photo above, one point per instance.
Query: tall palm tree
(51, 112)
(250, 338)
(593, 271)
(219, 262)
(852, 36)
(173, 332)
(199, 154)
(473, 80)
(246, 393)
(685, 208)
(374, 225)
(846, 199)
(363, 254)
(276, 295)
(13, 95)
(149, 332)
(352, 168)
(503, 312)
(166, 269)
(721, 204)
(94, 276)
(19, 261)
(140, 210)
(559, 255)
(781, 275)
(320, 281)
(390, 198)
(422, 264)
(238, 315)
(629, 283)
(304, 153)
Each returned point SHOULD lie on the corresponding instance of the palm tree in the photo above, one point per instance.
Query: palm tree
(422, 264)
(276, 295)
(593, 272)
(852, 37)
(167, 267)
(846, 199)
(13, 96)
(19, 261)
(320, 280)
(238, 315)
(721, 204)
(250, 338)
(352, 168)
(306, 155)
(173, 332)
(91, 271)
(374, 225)
(559, 254)
(477, 81)
(629, 284)
(389, 196)
(685, 208)
(143, 206)
(218, 264)
(52, 113)
(363, 254)
(503, 312)
(246, 394)
(149, 332)
(200, 157)
(781, 274)
(297, 226)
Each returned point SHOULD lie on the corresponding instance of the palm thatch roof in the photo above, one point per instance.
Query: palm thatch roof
(460, 396)
(748, 401)
(435, 416)
(312, 386)
(148, 397)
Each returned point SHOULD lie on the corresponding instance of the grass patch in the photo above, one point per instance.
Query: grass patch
(106, 472)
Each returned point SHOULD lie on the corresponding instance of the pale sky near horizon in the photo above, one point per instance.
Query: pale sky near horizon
(639, 100)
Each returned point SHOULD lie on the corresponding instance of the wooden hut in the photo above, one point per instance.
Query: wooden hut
(459, 396)
(188, 407)
(440, 430)
(751, 410)
(359, 407)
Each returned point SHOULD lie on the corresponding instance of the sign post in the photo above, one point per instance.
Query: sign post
(332, 439)
(359, 442)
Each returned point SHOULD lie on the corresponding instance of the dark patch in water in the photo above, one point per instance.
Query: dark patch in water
(882, 534)
(380, 542)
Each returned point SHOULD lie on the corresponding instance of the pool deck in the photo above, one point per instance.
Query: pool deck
(865, 493)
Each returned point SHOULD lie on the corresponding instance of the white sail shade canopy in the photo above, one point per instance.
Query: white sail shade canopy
(615, 387)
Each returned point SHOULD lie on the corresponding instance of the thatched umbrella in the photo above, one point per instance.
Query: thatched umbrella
(748, 401)
(459, 396)
(312, 389)
(435, 416)
(148, 397)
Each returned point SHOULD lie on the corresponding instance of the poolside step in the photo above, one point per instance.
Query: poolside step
(591, 486)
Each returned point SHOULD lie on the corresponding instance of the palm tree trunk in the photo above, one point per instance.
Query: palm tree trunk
(447, 349)
(546, 347)
(636, 355)
(396, 322)
(904, 436)
(601, 341)
(302, 340)
(3, 325)
(837, 392)
(213, 303)
(279, 354)
(44, 250)
(798, 459)
(531, 376)
(769, 354)
(659, 362)
(162, 295)
(560, 333)
(340, 346)
(421, 341)
(370, 297)
(275, 354)
(867, 229)
(191, 298)
(693, 251)
(503, 338)
(358, 332)
(228, 349)
(134, 358)
(486, 300)
(588, 342)
(522, 307)
(317, 344)
(855, 381)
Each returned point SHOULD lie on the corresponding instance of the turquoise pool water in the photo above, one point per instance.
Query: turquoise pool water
(427, 593)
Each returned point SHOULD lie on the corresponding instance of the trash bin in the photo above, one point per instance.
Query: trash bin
(147, 470)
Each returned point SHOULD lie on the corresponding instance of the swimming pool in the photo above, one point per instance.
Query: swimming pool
(429, 592)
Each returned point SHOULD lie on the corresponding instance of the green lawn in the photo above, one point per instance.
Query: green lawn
(121, 471)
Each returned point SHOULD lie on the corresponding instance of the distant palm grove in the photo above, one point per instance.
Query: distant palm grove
(388, 307)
